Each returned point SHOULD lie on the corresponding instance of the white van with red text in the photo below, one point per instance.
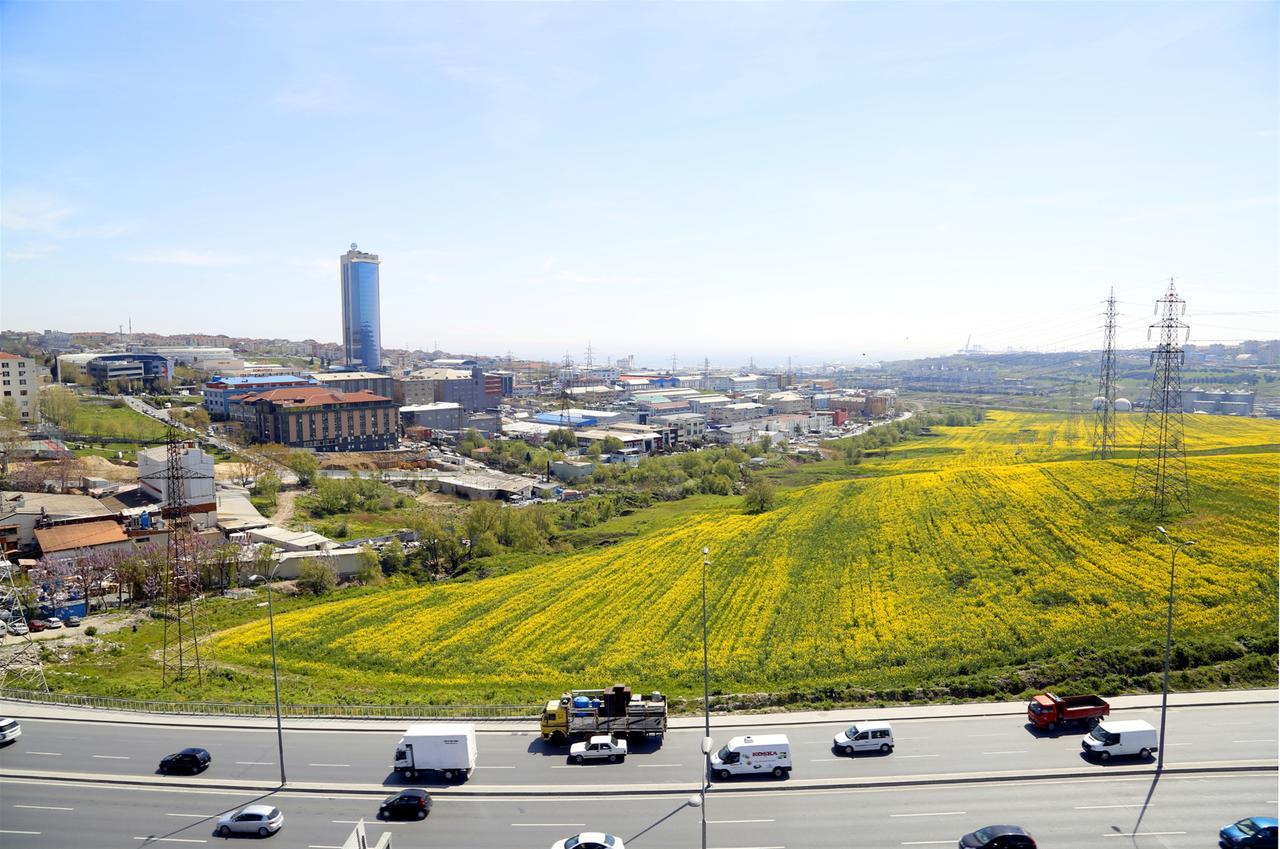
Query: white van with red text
(762, 753)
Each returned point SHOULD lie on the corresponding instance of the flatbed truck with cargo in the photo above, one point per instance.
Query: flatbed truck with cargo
(580, 714)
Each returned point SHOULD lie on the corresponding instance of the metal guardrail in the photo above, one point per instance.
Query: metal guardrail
(474, 712)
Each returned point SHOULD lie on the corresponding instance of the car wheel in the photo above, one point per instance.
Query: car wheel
(1052, 726)
(1093, 721)
(722, 774)
(448, 775)
(410, 774)
(613, 759)
(1144, 754)
(224, 831)
(885, 748)
(558, 738)
(1104, 756)
(778, 772)
(422, 815)
(264, 831)
(846, 750)
(577, 759)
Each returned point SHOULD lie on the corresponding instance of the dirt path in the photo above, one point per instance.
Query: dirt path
(285, 504)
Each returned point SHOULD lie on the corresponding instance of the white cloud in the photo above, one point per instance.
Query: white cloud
(190, 259)
(30, 252)
(44, 214)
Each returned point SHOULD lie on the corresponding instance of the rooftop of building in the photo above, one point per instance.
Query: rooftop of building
(55, 505)
(260, 380)
(338, 376)
(438, 374)
(5, 355)
(434, 407)
(82, 535)
(312, 396)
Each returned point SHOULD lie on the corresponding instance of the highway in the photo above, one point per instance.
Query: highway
(1184, 812)
(1001, 744)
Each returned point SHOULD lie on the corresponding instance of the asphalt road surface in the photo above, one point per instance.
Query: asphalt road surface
(924, 747)
(1111, 811)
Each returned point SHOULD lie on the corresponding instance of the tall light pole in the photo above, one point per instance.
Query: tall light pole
(706, 698)
(275, 670)
(1178, 545)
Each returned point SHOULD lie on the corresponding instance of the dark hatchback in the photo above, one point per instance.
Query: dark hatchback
(191, 760)
(1249, 833)
(998, 837)
(408, 804)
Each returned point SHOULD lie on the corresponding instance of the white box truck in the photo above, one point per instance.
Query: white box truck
(753, 755)
(445, 747)
(1116, 738)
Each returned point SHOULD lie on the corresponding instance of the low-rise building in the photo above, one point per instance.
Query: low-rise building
(738, 411)
(438, 416)
(197, 481)
(689, 427)
(131, 368)
(324, 419)
(572, 471)
(739, 433)
(203, 358)
(21, 512)
(20, 383)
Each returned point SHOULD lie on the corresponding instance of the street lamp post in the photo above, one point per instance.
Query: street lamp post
(275, 670)
(1178, 545)
(706, 698)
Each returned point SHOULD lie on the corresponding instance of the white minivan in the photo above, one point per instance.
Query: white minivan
(1116, 738)
(865, 737)
(759, 754)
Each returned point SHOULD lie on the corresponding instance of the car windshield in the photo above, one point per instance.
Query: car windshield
(852, 732)
(723, 753)
(1248, 827)
(1104, 737)
(984, 834)
(273, 813)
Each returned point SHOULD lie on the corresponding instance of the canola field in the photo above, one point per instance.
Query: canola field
(978, 547)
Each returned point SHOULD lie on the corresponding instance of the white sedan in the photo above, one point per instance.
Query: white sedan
(589, 840)
(600, 748)
(261, 820)
(53, 623)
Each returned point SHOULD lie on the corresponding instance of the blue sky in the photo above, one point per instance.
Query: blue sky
(726, 180)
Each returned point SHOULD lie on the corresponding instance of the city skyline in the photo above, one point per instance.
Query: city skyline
(824, 182)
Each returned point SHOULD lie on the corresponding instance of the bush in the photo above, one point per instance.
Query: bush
(317, 578)
(759, 496)
(90, 631)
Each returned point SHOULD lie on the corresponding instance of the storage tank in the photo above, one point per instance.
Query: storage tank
(1123, 405)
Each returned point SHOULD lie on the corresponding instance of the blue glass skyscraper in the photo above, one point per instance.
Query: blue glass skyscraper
(361, 310)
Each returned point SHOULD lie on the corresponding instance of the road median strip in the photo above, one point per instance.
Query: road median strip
(536, 790)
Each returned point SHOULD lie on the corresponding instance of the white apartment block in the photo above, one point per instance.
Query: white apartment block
(20, 382)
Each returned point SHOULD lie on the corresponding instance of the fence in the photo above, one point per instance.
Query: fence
(473, 712)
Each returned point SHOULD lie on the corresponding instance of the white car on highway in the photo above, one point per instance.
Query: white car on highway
(252, 819)
(9, 729)
(589, 840)
(865, 737)
(598, 748)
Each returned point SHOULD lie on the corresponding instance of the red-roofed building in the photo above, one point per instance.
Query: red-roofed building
(325, 419)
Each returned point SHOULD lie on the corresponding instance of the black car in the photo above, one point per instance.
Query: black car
(188, 760)
(71, 621)
(411, 804)
(998, 837)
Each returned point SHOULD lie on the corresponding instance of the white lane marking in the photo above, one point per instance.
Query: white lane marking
(1001, 734)
(1144, 834)
(825, 760)
(50, 754)
(14, 831)
(1253, 741)
(653, 766)
(548, 825)
(727, 822)
(113, 757)
(44, 807)
(328, 764)
(171, 839)
(759, 847)
(321, 846)
(928, 842)
(933, 814)
(494, 767)
(254, 763)
(1008, 752)
(195, 816)
(900, 757)
(1101, 807)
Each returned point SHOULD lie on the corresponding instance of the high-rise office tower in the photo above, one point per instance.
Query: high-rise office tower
(361, 312)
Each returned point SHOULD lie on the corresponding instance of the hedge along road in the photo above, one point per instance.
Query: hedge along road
(925, 747)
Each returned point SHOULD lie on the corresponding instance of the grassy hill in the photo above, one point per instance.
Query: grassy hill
(976, 561)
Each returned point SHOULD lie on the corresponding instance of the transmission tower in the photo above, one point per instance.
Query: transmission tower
(20, 665)
(1160, 478)
(1104, 419)
(181, 581)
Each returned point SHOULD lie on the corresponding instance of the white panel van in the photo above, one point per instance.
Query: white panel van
(761, 753)
(1117, 738)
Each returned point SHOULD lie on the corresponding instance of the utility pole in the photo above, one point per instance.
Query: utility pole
(1160, 476)
(1104, 418)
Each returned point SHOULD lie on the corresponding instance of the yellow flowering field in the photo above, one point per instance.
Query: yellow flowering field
(994, 545)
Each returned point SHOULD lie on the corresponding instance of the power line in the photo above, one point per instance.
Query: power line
(1160, 476)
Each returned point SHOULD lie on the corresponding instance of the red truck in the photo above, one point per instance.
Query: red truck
(1049, 712)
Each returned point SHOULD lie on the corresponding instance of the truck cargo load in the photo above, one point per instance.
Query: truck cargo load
(616, 711)
(445, 747)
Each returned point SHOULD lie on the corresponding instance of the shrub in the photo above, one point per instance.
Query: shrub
(317, 578)
(759, 496)
(90, 631)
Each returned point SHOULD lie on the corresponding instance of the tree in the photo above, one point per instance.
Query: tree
(611, 445)
(766, 442)
(12, 438)
(392, 560)
(58, 405)
(266, 488)
(303, 464)
(371, 569)
(562, 438)
(316, 577)
(759, 496)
